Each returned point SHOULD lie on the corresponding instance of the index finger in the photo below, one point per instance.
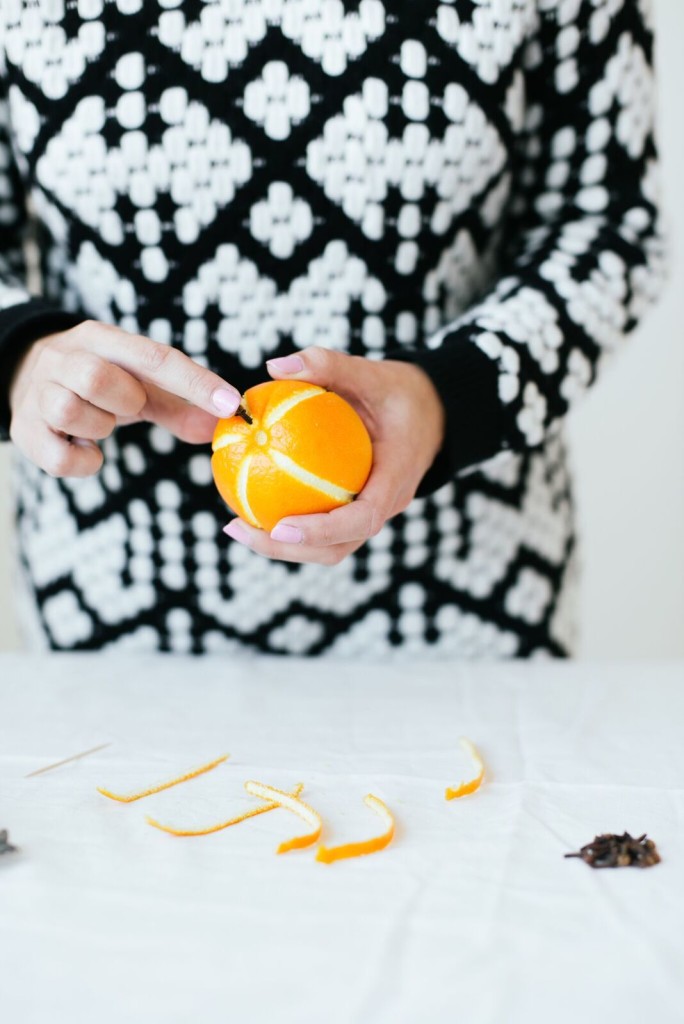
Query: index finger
(155, 363)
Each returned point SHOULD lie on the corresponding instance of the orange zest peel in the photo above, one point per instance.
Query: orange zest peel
(329, 854)
(131, 797)
(223, 824)
(464, 788)
(294, 804)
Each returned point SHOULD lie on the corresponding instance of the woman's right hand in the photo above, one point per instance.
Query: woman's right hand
(74, 388)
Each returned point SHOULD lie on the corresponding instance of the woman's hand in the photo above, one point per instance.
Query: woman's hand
(73, 388)
(405, 418)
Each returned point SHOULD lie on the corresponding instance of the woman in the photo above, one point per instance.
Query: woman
(447, 213)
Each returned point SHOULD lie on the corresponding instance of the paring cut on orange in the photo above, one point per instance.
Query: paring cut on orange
(306, 450)
(464, 788)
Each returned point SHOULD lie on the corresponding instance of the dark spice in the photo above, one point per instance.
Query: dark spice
(613, 851)
(5, 845)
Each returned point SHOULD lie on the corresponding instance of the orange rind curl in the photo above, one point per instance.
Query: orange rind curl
(329, 854)
(132, 797)
(297, 806)
(172, 831)
(464, 788)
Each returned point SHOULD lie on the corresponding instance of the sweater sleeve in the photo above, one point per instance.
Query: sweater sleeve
(585, 252)
(23, 317)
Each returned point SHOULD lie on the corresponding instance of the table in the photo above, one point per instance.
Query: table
(471, 915)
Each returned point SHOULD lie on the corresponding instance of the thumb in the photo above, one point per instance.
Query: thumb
(328, 369)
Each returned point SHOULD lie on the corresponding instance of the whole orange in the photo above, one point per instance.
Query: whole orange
(305, 450)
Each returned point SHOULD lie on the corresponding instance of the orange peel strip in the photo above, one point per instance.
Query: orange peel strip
(297, 806)
(131, 797)
(224, 824)
(453, 793)
(328, 854)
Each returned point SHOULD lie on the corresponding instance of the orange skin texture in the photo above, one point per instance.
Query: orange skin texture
(317, 430)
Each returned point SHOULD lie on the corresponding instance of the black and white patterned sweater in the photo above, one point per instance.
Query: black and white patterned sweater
(468, 184)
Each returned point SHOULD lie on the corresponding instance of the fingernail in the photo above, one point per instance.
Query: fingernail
(225, 401)
(236, 531)
(286, 364)
(286, 534)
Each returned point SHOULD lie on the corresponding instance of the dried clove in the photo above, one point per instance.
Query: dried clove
(5, 845)
(613, 851)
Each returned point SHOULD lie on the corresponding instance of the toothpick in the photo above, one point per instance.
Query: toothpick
(67, 760)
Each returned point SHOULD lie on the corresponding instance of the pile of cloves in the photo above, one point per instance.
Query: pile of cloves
(613, 851)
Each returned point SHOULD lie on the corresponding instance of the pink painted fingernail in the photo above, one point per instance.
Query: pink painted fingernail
(225, 401)
(286, 534)
(286, 364)
(236, 531)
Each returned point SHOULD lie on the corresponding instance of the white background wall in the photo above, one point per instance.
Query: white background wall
(629, 435)
(628, 442)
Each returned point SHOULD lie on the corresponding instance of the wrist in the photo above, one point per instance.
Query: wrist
(427, 402)
(467, 382)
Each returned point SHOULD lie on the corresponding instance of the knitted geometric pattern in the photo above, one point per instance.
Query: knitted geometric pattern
(463, 184)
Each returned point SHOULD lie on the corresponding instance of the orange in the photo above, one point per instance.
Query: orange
(305, 450)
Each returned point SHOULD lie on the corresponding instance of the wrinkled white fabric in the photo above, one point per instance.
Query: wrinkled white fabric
(472, 915)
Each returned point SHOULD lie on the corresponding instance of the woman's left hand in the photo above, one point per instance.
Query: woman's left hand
(405, 419)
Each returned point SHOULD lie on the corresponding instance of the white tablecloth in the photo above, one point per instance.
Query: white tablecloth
(472, 915)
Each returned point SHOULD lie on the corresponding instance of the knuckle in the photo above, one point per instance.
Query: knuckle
(138, 405)
(193, 378)
(97, 462)
(105, 427)
(65, 407)
(82, 333)
(85, 328)
(15, 432)
(133, 398)
(324, 533)
(377, 517)
(88, 462)
(155, 356)
(94, 375)
(67, 461)
(319, 359)
(45, 359)
(58, 463)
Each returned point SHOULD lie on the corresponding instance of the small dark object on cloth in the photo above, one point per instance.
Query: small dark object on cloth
(5, 845)
(612, 851)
